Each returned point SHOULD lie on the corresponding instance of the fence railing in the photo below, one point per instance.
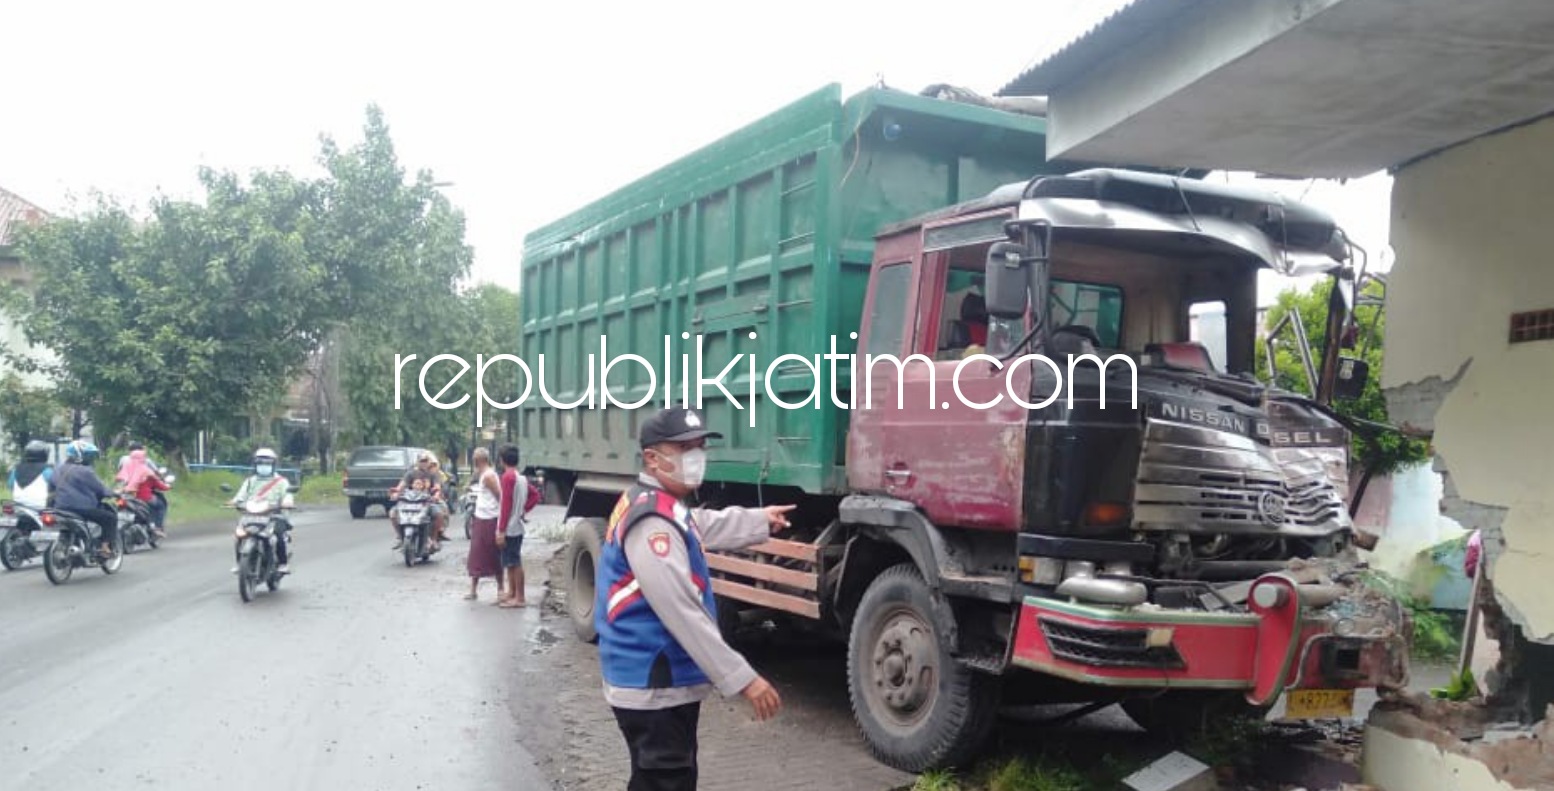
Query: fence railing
(292, 475)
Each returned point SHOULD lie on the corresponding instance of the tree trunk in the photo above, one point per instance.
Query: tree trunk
(316, 415)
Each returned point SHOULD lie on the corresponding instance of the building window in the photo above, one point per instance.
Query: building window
(1536, 325)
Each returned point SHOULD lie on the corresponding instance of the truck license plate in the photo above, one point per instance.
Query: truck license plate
(1319, 704)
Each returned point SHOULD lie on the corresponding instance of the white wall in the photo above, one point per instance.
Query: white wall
(1471, 229)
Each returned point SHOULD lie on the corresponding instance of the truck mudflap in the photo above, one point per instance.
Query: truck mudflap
(1292, 635)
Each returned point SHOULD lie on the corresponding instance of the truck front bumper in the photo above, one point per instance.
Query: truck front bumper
(1294, 637)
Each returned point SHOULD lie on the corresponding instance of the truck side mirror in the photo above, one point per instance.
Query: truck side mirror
(1007, 286)
(1353, 373)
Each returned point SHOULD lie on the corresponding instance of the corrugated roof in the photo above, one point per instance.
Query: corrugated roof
(1123, 28)
(16, 211)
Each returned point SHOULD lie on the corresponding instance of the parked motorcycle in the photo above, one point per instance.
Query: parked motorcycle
(415, 525)
(17, 523)
(135, 524)
(69, 542)
(257, 560)
(467, 507)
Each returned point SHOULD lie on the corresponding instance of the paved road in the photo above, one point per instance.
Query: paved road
(358, 674)
(363, 674)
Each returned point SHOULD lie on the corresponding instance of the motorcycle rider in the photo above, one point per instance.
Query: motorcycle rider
(422, 471)
(33, 480)
(271, 487)
(140, 481)
(79, 492)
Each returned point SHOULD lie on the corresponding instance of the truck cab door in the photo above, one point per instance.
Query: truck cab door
(889, 327)
(960, 456)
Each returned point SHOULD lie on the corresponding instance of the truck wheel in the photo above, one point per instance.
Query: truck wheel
(917, 707)
(582, 561)
(358, 508)
(1181, 714)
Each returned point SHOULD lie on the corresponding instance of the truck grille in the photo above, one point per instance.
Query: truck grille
(1107, 646)
(1193, 479)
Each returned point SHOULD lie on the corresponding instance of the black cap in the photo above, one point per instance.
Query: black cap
(674, 425)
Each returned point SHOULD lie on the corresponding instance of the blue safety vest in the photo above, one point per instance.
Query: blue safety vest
(636, 651)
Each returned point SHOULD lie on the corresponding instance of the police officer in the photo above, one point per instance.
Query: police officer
(659, 646)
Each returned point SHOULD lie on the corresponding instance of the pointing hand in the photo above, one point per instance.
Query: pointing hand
(776, 516)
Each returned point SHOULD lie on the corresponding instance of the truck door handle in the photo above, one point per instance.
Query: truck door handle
(902, 473)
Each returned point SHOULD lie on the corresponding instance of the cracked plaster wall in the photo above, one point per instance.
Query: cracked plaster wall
(1471, 229)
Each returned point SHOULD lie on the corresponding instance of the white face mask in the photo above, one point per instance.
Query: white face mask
(690, 467)
(264, 470)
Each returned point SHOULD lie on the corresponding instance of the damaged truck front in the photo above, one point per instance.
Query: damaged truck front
(1140, 522)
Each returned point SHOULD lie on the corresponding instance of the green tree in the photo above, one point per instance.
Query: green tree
(405, 300)
(166, 327)
(209, 310)
(1383, 453)
(27, 413)
(480, 321)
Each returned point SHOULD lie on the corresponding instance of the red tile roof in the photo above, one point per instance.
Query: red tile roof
(16, 211)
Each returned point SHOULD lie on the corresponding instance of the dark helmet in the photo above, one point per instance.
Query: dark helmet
(36, 450)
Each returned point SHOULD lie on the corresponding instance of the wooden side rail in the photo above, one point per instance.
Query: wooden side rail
(805, 583)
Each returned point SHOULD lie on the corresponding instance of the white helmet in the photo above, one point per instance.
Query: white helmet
(264, 455)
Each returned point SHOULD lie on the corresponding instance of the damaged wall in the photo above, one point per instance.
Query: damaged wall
(1470, 227)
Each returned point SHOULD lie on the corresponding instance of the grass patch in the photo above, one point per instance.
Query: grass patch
(1037, 774)
(1228, 741)
(1033, 773)
(197, 497)
(322, 490)
(937, 780)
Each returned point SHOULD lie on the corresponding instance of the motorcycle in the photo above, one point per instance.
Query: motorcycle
(257, 560)
(69, 542)
(135, 523)
(467, 507)
(17, 523)
(415, 525)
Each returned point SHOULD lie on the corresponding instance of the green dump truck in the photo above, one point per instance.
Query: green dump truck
(1176, 545)
(769, 230)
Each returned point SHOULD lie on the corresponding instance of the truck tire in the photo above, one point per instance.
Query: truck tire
(581, 562)
(358, 508)
(918, 708)
(1180, 714)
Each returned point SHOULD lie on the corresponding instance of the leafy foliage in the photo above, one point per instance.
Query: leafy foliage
(27, 413)
(165, 327)
(1388, 452)
(1435, 635)
(209, 310)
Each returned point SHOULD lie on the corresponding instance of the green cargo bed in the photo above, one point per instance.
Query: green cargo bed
(769, 230)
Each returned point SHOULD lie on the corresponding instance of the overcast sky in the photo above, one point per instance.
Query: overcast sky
(530, 110)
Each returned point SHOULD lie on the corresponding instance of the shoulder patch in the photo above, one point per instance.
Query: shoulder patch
(659, 543)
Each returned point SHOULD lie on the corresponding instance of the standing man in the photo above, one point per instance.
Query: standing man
(510, 527)
(659, 645)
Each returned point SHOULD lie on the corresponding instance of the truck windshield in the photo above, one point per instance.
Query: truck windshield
(378, 457)
(964, 323)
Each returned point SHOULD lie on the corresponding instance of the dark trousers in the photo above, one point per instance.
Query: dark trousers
(663, 747)
(105, 518)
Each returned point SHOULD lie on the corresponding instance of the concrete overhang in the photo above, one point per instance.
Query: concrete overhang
(1314, 88)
